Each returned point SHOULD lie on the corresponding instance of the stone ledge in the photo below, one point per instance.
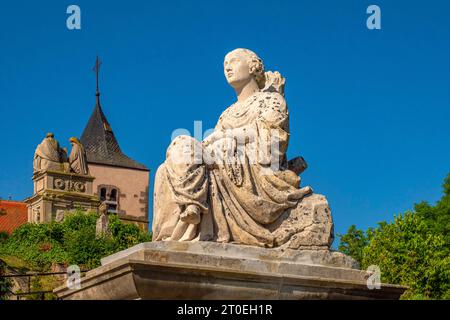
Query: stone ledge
(311, 255)
(207, 270)
(63, 174)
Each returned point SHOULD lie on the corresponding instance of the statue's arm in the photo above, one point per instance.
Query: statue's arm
(273, 122)
(274, 113)
(242, 135)
(213, 137)
(245, 134)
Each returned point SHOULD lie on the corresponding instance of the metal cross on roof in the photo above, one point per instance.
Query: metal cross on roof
(96, 69)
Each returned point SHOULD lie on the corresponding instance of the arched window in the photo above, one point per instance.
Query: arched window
(102, 194)
(110, 195)
(113, 196)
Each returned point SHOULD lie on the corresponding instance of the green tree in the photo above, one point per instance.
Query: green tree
(353, 243)
(412, 250)
(72, 241)
(408, 253)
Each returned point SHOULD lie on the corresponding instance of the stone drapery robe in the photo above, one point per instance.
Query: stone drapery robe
(47, 156)
(78, 160)
(240, 200)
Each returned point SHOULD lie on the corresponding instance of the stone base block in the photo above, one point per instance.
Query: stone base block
(57, 192)
(209, 270)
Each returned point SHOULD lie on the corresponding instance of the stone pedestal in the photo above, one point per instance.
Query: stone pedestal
(56, 192)
(209, 270)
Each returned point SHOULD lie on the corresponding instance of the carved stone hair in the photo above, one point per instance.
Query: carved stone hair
(254, 62)
(267, 81)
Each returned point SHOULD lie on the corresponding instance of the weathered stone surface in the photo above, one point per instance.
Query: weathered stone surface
(236, 186)
(56, 192)
(312, 216)
(59, 215)
(208, 270)
(102, 223)
(61, 183)
(183, 250)
(77, 158)
(49, 156)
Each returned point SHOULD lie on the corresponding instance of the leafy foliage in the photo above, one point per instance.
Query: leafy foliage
(3, 236)
(5, 283)
(72, 241)
(412, 250)
(353, 243)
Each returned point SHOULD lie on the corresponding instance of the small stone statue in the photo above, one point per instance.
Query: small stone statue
(102, 225)
(37, 215)
(60, 215)
(48, 155)
(77, 157)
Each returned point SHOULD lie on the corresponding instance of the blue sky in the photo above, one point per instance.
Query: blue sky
(369, 109)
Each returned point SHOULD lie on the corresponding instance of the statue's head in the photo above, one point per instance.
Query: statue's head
(74, 140)
(50, 135)
(242, 66)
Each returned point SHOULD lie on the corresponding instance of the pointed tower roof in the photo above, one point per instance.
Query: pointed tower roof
(100, 143)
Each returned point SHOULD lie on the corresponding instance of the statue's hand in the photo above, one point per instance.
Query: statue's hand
(212, 138)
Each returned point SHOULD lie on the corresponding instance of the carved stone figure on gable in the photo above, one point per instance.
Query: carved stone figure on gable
(77, 158)
(61, 183)
(48, 155)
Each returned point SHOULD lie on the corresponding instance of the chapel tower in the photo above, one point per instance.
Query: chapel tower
(120, 181)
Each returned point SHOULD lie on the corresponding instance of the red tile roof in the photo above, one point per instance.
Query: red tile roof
(13, 214)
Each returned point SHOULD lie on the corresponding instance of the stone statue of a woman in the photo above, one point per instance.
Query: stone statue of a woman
(77, 158)
(236, 186)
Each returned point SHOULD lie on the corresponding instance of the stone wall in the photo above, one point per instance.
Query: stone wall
(132, 186)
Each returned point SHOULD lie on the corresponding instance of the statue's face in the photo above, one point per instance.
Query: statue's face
(237, 70)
